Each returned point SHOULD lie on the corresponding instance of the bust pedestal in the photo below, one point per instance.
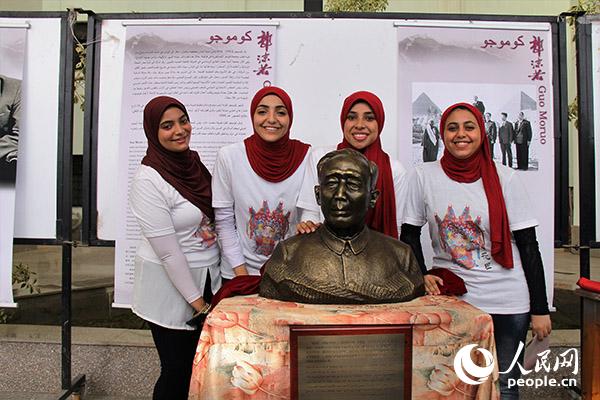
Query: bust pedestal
(244, 348)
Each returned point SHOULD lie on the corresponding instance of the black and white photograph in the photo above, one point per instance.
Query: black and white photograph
(509, 111)
(12, 47)
(12, 56)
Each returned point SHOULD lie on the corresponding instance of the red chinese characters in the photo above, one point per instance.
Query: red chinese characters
(536, 45)
(265, 40)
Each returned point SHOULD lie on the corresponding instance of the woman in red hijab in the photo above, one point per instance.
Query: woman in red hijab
(482, 230)
(256, 184)
(362, 118)
(177, 261)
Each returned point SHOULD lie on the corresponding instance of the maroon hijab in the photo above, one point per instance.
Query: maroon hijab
(382, 218)
(481, 165)
(182, 170)
(274, 161)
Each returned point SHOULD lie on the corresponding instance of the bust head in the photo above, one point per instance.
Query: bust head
(346, 190)
(343, 262)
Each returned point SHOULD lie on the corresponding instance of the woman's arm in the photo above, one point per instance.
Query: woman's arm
(310, 216)
(150, 207)
(411, 235)
(227, 234)
(170, 254)
(223, 201)
(400, 177)
(531, 259)
(413, 217)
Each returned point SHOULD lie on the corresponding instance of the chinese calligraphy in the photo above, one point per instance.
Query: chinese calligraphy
(536, 45)
(264, 42)
(567, 359)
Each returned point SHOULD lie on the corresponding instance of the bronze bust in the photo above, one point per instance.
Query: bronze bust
(343, 261)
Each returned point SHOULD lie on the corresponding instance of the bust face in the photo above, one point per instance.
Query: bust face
(344, 194)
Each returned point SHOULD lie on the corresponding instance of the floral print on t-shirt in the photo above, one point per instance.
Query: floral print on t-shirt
(463, 238)
(267, 227)
(206, 232)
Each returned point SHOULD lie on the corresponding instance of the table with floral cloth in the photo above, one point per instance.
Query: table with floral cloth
(244, 350)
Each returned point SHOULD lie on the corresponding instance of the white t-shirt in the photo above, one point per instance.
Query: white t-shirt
(308, 203)
(265, 212)
(459, 227)
(161, 210)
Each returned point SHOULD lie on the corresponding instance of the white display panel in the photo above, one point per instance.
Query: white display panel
(36, 188)
(30, 53)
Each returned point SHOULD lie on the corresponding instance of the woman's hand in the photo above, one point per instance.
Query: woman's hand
(198, 304)
(432, 284)
(541, 326)
(307, 227)
(240, 270)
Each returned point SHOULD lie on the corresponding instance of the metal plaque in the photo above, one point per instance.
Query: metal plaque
(351, 362)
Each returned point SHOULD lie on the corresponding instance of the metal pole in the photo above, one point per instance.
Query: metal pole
(587, 195)
(586, 163)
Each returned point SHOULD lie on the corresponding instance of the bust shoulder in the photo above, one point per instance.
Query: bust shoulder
(390, 244)
(294, 246)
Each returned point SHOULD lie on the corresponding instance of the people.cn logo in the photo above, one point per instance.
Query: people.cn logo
(463, 365)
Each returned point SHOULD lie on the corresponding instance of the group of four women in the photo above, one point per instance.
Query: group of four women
(198, 229)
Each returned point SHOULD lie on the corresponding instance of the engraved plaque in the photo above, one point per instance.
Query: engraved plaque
(351, 362)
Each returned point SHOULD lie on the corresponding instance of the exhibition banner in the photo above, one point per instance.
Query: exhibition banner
(214, 70)
(505, 70)
(12, 57)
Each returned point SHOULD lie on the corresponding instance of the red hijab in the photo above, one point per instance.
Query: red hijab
(382, 218)
(182, 170)
(274, 161)
(481, 165)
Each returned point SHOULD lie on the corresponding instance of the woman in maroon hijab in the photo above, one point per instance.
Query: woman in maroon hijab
(177, 262)
(482, 230)
(256, 184)
(362, 118)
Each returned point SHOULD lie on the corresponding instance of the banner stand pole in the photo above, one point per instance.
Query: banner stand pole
(64, 222)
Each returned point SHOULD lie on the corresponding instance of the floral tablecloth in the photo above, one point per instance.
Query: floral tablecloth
(244, 351)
